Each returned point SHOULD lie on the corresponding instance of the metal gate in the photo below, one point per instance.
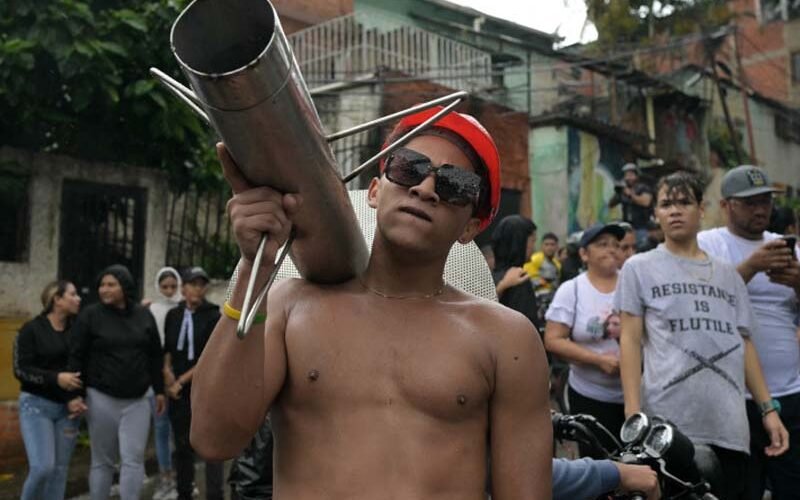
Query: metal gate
(101, 224)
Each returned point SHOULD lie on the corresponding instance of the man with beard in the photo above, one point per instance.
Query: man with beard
(766, 263)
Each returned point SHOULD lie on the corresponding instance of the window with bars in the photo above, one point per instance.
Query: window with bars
(14, 215)
(199, 233)
(787, 126)
(796, 67)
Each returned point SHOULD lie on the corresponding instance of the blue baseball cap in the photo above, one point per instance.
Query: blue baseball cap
(591, 233)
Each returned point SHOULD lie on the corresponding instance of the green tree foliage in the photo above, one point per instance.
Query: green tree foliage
(74, 80)
(621, 21)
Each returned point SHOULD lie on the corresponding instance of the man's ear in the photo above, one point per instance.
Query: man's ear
(372, 192)
(471, 230)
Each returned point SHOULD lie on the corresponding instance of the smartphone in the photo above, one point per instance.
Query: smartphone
(791, 242)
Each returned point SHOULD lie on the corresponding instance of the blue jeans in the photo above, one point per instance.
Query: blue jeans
(49, 437)
(162, 433)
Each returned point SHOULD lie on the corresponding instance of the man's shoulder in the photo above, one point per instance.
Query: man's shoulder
(175, 312)
(715, 234)
(643, 259)
(496, 320)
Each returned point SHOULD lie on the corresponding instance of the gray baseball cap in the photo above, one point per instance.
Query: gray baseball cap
(745, 181)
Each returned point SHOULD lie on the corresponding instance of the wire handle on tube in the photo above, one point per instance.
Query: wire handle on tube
(249, 311)
(190, 98)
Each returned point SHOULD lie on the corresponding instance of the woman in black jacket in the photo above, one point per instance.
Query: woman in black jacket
(48, 402)
(116, 347)
(513, 242)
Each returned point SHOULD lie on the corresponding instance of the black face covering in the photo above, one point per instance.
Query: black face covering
(510, 240)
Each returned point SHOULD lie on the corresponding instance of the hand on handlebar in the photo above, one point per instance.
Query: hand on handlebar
(638, 479)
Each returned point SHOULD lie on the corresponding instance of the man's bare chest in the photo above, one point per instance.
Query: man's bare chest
(405, 357)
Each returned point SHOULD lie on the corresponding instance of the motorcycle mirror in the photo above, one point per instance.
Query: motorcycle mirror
(635, 428)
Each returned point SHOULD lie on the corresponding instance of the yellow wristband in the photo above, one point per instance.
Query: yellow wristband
(236, 314)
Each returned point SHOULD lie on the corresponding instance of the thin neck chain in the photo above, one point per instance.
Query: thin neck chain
(701, 278)
(373, 291)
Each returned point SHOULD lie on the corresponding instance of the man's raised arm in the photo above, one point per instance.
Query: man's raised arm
(235, 381)
(520, 425)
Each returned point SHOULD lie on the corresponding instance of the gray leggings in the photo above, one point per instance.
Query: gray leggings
(118, 429)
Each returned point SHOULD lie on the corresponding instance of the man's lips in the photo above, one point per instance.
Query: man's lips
(416, 212)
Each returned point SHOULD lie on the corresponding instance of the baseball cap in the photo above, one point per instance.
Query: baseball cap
(630, 167)
(469, 129)
(745, 181)
(194, 273)
(591, 233)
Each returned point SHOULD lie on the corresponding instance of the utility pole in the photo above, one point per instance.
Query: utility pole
(744, 91)
(712, 60)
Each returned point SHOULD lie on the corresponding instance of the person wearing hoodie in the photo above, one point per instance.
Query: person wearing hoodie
(168, 296)
(513, 242)
(186, 331)
(115, 347)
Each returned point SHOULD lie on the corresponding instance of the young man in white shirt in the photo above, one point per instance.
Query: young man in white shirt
(767, 264)
(685, 348)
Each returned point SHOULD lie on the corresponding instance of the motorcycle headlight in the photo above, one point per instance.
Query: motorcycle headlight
(659, 440)
(634, 428)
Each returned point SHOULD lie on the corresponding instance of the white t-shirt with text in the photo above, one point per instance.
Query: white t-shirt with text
(695, 315)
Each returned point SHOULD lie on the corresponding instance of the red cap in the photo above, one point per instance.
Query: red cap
(469, 129)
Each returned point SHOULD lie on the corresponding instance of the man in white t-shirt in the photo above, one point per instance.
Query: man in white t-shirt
(766, 264)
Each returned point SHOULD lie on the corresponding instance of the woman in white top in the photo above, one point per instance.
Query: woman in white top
(168, 296)
(583, 329)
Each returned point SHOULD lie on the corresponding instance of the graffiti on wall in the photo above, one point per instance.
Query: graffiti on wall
(594, 165)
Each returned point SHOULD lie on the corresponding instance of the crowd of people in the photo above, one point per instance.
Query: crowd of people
(120, 363)
(700, 327)
(389, 380)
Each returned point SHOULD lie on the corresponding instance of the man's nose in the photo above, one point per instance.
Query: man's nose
(426, 189)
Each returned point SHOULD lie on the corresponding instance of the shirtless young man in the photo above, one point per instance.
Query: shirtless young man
(393, 385)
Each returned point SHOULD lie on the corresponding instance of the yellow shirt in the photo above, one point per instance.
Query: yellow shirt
(534, 269)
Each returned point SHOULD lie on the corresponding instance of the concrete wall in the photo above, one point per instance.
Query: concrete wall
(549, 179)
(781, 158)
(572, 178)
(22, 282)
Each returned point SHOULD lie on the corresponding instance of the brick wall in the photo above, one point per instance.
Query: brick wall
(763, 51)
(12, 450)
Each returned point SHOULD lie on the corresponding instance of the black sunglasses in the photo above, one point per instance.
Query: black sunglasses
(454, 185)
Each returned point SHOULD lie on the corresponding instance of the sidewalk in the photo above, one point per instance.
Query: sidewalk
(78, 479)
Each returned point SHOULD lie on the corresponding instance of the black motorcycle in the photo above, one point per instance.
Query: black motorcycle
(685, 470)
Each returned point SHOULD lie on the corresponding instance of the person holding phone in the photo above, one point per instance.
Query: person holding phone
(769, 266)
